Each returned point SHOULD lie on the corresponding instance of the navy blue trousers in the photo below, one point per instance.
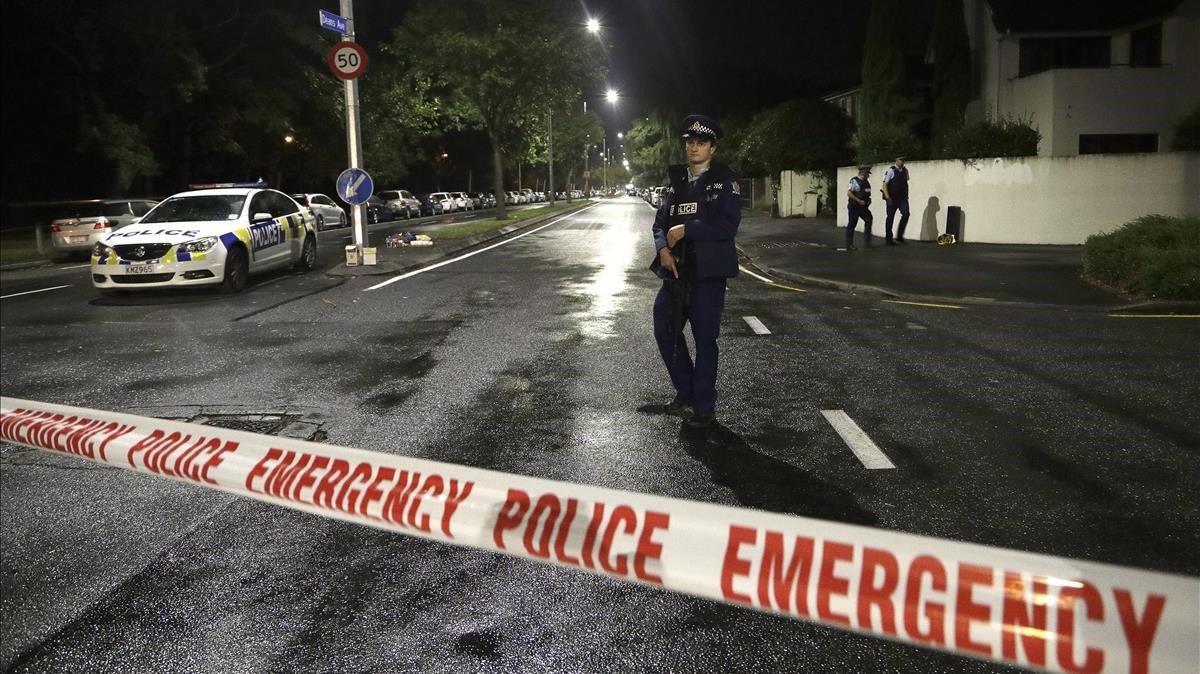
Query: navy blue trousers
(694, 381)
(894, 205)
(857, 212)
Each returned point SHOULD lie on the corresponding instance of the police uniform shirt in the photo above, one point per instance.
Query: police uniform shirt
(712, 200)
(862, 188)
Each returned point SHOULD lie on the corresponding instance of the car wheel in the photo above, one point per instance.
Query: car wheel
(320, 222)
(308, 254)
(342, 220)
(237, 271)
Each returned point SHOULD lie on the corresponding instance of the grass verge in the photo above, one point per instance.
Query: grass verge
(18, 245)
(1153, 257)
(469, 229)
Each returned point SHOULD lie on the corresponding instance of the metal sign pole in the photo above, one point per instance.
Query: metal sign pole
(354, 136)
(550, 153)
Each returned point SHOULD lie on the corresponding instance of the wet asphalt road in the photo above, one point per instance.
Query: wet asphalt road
(1065, 433)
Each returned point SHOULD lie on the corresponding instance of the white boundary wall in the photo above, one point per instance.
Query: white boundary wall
(1047, 200)
(800, 194)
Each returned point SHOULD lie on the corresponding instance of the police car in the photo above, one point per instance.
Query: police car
(216, 236)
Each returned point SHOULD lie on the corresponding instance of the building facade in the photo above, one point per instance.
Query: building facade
(1092, 78)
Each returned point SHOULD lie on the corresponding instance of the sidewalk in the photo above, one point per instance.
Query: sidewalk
(806, 250)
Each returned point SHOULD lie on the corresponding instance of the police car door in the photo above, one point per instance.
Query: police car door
(291, 219)
(268, 234)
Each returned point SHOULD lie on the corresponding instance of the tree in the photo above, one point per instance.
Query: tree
(654, 144)
(802, 135)
(951, 70)
(883, 99)
(498, 64)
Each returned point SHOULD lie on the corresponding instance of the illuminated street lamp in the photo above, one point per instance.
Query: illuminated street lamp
(289, 139)
(593, 25)
(612, 96)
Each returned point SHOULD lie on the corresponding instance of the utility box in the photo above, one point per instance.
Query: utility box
(369, 256)
(954, 222)
(351, 256)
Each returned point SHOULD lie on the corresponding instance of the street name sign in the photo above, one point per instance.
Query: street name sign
(331, 21)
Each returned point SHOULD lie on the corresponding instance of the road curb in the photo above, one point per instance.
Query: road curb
(22, 265)
(387, 268)
(864, 289)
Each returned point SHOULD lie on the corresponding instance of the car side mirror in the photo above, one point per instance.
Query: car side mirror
(261, 217)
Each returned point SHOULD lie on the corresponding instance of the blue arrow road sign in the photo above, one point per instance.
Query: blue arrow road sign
(331, 21)
(354, 186)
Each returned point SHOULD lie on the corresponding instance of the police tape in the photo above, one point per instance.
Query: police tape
(990, 603)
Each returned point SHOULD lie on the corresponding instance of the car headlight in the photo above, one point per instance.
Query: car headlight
(101, 251)
(199, 245)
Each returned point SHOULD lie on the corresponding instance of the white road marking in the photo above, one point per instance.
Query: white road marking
(30, 292)
(857, 440)
(476, 252)
(756, 325)
(764, 279)
(78, 266)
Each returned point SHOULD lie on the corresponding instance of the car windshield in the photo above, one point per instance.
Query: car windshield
(199, 208)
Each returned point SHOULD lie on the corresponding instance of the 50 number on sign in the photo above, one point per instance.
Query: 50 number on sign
(347, 60)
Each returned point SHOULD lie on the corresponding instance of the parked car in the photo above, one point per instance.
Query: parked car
(486, 199)
(656, 196)
(463, 202)
(378, 210)
(512, 198)
(449, 203)
(327, 212)
(529, 195)
(476, 199)
(207, 237)
(77, 226)
(402, 202)
(429, 205)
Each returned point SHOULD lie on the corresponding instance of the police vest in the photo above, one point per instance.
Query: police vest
(898, 185)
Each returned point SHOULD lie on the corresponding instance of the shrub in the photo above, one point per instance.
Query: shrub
(1187, 132)
(1155, 256)
(1002, 137)
(880, 144)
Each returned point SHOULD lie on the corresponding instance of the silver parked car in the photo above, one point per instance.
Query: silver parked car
(326, 210)
(77, 226)
(402, 202)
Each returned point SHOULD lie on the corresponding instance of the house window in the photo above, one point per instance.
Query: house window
(1117, 143)
(1046, 53)
(1145, 47)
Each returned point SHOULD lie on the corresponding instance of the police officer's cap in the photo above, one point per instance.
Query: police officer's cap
(701, 126)
(864, 167)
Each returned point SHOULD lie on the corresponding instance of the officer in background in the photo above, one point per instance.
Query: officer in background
(858, 206)
(694, 238)
(895, 195)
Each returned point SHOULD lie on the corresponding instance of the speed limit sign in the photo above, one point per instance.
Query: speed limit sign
(347, 60)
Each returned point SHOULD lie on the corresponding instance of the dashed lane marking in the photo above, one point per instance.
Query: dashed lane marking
(857, 440)
(30, 292)
(924, 304)
(756, 325)
(481, 250)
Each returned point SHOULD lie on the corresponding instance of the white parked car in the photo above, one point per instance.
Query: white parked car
(207, 237)
(79, 225)
(462, 201)
(326, 210)
(449, 203)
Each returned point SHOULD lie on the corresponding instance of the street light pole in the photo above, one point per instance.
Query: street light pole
(550, 152)
(604, 158)
(354, 135)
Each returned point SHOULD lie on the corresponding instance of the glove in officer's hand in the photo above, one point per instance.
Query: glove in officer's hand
(667, 260)
(674, 234)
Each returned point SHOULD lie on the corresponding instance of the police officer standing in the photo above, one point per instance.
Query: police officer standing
(694, 237)
(859, 205)
(895, 194)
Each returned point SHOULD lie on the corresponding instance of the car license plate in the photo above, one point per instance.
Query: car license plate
(77, 239)
(139, 269)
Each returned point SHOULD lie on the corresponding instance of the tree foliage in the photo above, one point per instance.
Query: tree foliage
(1003, 137)
(654, 144)
(1187, 132)
(498, 64)
(800, 135)
(951, 69)
(883, 78)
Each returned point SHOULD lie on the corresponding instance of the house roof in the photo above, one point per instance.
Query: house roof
(1028, 16)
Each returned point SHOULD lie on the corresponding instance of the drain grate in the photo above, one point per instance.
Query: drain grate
(266, 424)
